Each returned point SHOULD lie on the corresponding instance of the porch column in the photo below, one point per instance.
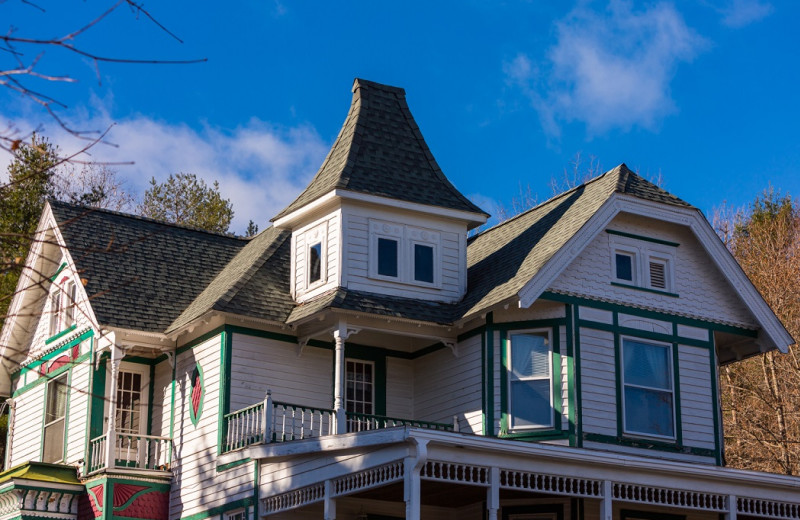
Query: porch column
(411, 479)
(330, 502)
(606, 506)
(733, 508)
(340, 336)
(111, 434)
(493, 493)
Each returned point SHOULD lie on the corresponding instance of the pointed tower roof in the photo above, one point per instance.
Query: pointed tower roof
(380, 151)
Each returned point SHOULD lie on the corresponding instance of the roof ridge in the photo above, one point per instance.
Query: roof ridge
(132, 216)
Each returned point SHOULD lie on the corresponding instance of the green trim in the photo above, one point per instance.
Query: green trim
(503, 383)
(58, 271)
(172, 405)
(234, 464)
(51, 375)
(655, 336)
(571, 391)
(133, 497)
(489, 432)
(196, 418)
(624, 514)
(87, 430)
(226, 347)
(484, 429)
(530, 324)
(646, 289)
(98, 395)
(642, 237)
(256, 484)
(150, 397)
(558, 408)
(618, 375)
(648, 444)
(645, 313)
(578, 379)
(471, 333)
(543, 435)
(677, 388)
(200, 339)
(214, 511)
(712, 361)
(98, 500)
(66, 416)
(61, 334)
(139, 360)
(56, 352)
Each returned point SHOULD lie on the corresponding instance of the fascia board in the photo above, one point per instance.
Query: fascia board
(689, 217)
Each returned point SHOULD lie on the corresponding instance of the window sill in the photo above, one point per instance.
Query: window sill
(406, 283)
(645, 289)
(537, 435)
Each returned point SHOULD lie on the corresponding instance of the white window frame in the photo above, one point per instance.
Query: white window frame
(316, 235)
(643, 252)
(51, 387)
(370, 364)
(236, 514)
(55, 311)
(669, 347)
(510, 379)
(407, 237)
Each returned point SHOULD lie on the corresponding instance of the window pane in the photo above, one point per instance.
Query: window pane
(530, 356)
(315, 263)
(54, 442)
(423, 263)
(387, 257)
(648, 411)
(647, 365)
(56, 398)
(624, 267)
(530, 403)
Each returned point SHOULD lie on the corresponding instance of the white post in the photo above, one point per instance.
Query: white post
(455, 423)
(411, 479)
(111, 434)
(733, 508)
(12, 413)
(330, 502)
(266, 418)
(493, 493)
(606, 506)
(340, 336)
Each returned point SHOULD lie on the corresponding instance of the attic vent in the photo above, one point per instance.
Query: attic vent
(657, 275)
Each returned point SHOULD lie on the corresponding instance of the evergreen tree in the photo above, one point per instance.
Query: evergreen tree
(185, 199)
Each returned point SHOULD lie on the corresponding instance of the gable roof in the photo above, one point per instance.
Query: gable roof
(140, 273)
(380, 151)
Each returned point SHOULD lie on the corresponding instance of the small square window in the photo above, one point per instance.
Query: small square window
(423, 263)
(624, 267)
(387, 257)
(315, 263)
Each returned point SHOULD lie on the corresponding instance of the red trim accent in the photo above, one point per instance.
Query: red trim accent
(197, 393)
(57, 363)
(152, 505)
(124, 492)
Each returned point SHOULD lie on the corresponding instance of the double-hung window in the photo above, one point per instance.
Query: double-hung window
(54, 419)
(62, 307)
(647, 388)
(530, 380)
(404, 254)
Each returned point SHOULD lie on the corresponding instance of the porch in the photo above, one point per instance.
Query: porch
(414, 473)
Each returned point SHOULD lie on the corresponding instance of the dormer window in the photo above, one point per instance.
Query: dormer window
(642, 262)
(315, 263)
(405, 254)
(62, 307)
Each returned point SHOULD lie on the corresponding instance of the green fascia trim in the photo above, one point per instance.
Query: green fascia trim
(646, 289)
(200, 339)
(231, 465)
(196, 418)
(471, 333)
(245, 502)
(58, 271)
(712, 361)
(645, 313)
(558, 408)
(578, 385)
(642, 237)
(570, 374)
(618, 376)
(150, 396)
(624, 514)
(656, 336)
(61, 334)
(118, 479)
(649, 444)
(503, 382)
(51, 375)
(56, 352)
(489, 432)
(530, 324)
(43, 472)
(139, 360)
(98, 395)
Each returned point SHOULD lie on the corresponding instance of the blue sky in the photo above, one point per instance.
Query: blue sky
(703, 93)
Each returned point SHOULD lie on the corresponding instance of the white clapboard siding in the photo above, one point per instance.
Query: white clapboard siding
(445, 385)
(697, 407)
(196, 446)
(498, 368)
(332, 242)
(78, 412)
(451, 251)
(28, 426)
(260, 364)
(399, 388)
(703, 291)
(598, 383)
(564, 368)
(162, 399)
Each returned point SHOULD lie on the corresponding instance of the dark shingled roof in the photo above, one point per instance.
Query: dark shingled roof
(157, 277)
(380, 151)
(141, 274)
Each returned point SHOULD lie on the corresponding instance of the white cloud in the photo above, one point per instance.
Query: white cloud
(610, 68)
(260, 167)
(739, 13)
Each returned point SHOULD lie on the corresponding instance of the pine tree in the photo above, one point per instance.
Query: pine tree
(185, 199)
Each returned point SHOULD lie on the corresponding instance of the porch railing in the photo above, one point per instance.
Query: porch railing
(360, 422)
(132, 451)
(273, 421)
